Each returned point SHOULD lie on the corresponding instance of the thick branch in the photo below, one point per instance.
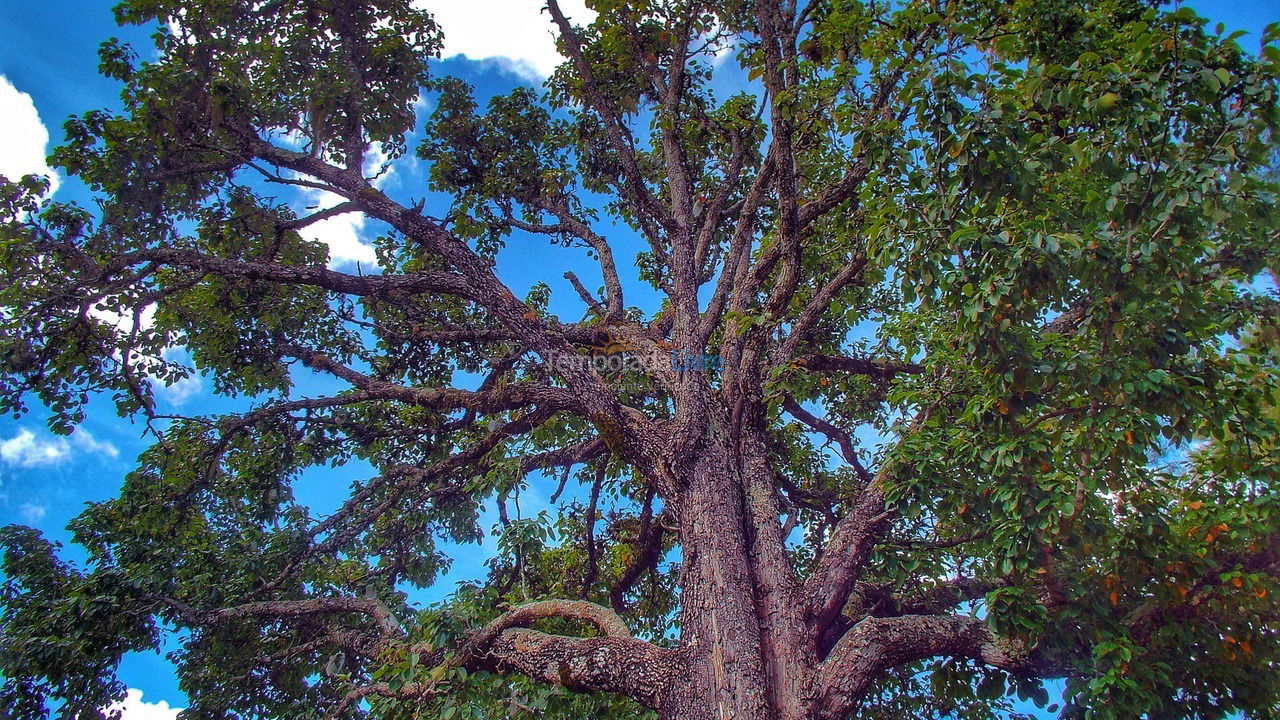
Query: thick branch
(878, 644)
(614, 663)
(636, 669)
(843, 557)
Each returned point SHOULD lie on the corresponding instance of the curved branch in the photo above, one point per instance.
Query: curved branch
(878, 644)
(603, 619)
(611, 662)
(841, 438)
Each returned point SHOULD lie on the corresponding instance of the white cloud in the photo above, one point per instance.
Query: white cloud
(517, 32)
(133, 708)
(83, 440)
(123, 324)
(26, 450)
(25, 138)
(340, 232)
(32, 513)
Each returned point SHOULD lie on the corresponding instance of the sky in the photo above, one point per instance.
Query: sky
(48, 61)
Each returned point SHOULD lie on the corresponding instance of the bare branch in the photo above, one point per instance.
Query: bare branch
(833, 433)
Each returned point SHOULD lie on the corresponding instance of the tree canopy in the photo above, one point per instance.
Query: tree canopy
(962, 387)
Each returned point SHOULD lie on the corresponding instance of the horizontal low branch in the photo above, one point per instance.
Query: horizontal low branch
(626, 666)
(614, 662)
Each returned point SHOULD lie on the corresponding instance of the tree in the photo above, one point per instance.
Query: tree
(950, 291)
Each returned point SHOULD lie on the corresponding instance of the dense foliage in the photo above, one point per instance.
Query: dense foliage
(988, 289)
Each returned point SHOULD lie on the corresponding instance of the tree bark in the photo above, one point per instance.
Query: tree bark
(720, 632)
(747, 656)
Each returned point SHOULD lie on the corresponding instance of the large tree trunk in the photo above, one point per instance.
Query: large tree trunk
(742, 657)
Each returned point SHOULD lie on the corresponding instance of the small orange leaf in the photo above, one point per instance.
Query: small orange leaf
(1003, 407)
(1237, 582)
(1260, 591)
(1115, 597)
(1128, 437)
(1044, 466)
(956, 150)
(1195, 505)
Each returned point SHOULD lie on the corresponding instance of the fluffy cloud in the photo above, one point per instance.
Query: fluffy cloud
(26, 449)
(517, 33)
(84, 441)
(25, 137)
(340, 232)
(133, 708)
(343, 233)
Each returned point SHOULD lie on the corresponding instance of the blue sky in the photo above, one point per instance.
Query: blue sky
(48, 61)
